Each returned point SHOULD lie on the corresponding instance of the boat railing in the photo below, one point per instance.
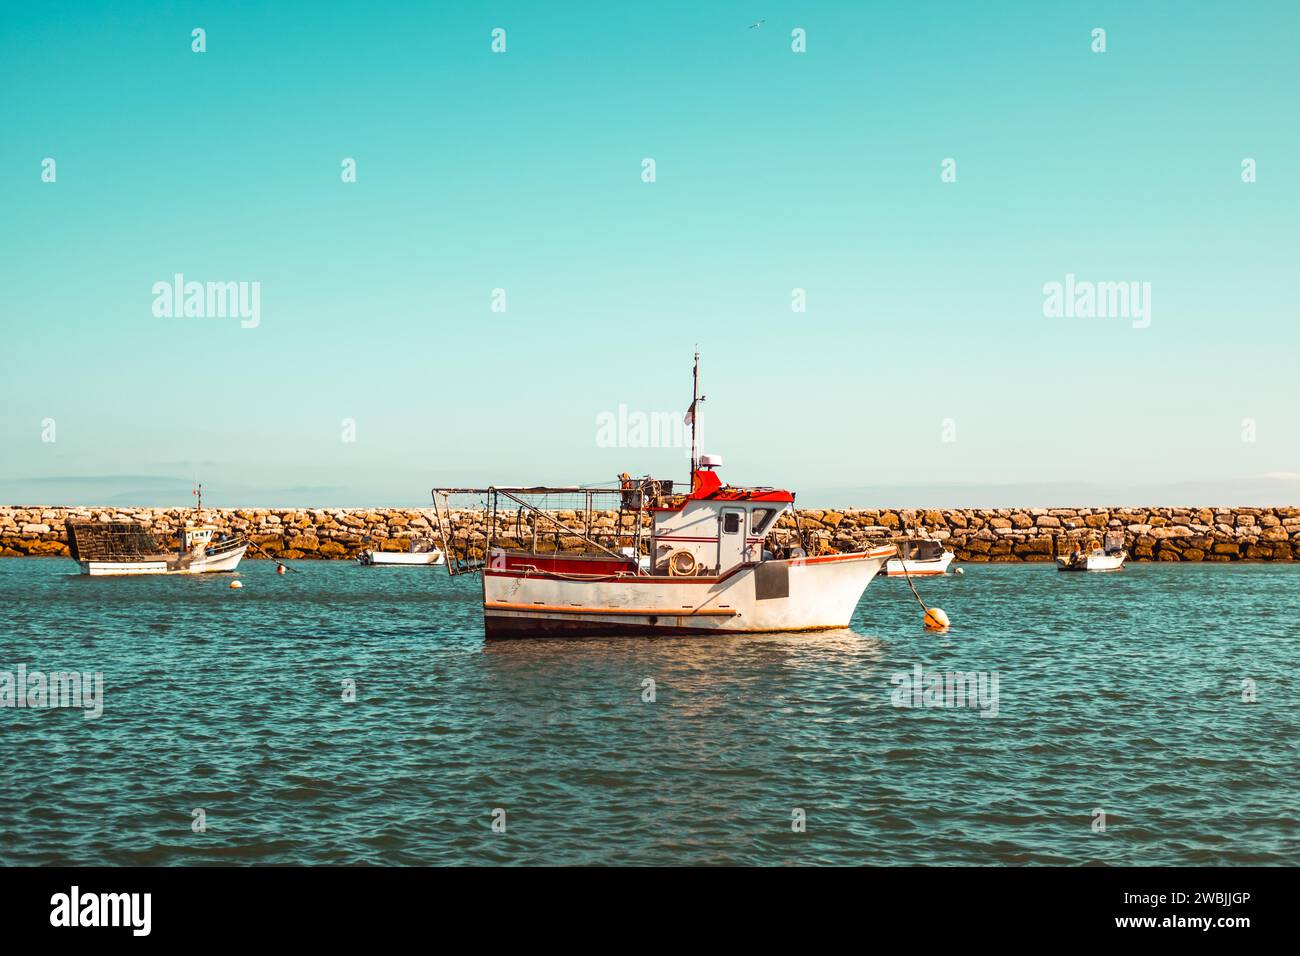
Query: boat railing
(475, 524)
(223, 547)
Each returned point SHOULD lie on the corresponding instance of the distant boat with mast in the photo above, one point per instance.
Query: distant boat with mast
(104, 548)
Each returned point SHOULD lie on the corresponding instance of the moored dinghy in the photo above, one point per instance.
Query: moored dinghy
(1109, 557)
(919, 556)
(422, 552)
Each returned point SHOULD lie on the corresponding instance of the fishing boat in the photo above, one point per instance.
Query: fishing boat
(422, 552)
(703, 561)
(121, 548)
(1109, 557)
(919, 556)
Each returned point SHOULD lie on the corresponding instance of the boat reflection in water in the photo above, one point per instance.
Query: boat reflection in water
(700, 677)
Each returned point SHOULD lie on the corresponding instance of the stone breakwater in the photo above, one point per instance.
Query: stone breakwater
(974, 534)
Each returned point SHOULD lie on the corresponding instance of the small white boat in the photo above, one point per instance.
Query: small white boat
(919, 557)
(122, 548)
(1108, 558)
(423, 552)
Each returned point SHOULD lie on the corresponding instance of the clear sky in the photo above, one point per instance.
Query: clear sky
(774, 171)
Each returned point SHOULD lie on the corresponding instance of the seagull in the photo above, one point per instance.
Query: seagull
(755, 26)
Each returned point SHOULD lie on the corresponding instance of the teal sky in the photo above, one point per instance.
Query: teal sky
(775, 171)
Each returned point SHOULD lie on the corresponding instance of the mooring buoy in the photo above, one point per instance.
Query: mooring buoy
(935, 619)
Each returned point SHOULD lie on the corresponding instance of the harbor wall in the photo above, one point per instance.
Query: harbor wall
(974, 534)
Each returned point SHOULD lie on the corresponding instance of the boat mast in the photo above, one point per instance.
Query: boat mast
(694, 397)
(694, 413)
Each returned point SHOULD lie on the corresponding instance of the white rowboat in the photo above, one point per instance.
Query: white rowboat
(1097, 559)
(423, 553)
(919, 557)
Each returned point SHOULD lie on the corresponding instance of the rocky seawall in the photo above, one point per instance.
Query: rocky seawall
(974, 534)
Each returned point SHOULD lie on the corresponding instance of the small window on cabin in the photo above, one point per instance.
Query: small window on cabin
(759, 519)
(730, 522)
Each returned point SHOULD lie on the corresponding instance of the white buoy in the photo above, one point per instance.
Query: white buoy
(236, 584)
(958, 571)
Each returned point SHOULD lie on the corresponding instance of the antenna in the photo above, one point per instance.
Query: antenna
(198, 494)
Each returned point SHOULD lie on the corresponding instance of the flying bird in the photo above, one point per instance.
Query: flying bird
(755, 26)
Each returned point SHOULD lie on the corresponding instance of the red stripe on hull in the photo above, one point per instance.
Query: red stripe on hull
(597, 609)
(499, 628)
(570, 564)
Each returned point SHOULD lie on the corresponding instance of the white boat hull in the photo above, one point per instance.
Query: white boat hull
(401, 558)
(1093, 562)
(204, 565)
(798, 594)
(896, 566)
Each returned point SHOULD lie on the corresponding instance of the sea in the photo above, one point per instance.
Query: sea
(346, 715)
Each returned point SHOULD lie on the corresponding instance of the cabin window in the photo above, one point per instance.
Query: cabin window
(759, 519)
(730, 522)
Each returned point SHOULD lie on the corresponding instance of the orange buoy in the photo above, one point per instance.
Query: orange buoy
(935, 619)
(236, 584)
(279, 569)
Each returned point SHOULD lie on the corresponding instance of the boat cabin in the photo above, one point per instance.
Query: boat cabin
(715, 527)
(195, 538)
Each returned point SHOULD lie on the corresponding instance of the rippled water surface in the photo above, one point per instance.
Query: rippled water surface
(1115, 692)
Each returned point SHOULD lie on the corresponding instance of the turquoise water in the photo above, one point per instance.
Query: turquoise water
(1115, 692)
